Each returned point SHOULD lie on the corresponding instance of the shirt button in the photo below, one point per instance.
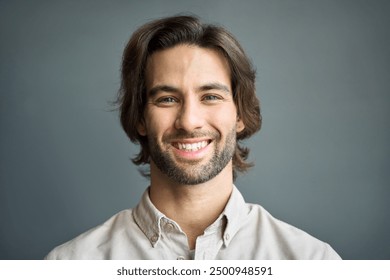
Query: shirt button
(169, 227)
(227, 236)
(180, 258)
(154, 238)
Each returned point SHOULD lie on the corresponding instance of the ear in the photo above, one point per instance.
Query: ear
(141, 128)
(239, 125)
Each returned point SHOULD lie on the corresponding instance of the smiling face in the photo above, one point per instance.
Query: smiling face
(190, 117)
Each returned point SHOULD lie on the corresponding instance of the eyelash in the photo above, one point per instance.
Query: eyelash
(164, 99)
(212, 97)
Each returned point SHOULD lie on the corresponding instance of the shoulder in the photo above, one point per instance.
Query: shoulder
(279, 240)
(96, 243)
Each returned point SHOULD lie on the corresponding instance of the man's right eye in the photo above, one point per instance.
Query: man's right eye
(166, 101)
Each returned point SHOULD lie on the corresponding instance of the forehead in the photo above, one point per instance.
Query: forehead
(185, 65)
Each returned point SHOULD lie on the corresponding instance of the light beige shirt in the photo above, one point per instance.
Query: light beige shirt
(242, 231)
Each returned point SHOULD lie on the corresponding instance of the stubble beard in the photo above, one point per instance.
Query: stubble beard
(194, 172)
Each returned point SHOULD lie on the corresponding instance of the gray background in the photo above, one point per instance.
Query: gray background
(322, 156)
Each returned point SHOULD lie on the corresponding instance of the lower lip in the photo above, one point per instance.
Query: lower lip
(194, 155)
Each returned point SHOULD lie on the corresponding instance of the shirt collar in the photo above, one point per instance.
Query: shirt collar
(149, 218)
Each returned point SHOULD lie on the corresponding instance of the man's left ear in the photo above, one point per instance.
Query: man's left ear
(239, 125)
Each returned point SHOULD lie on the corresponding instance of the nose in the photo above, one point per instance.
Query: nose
(190, 116)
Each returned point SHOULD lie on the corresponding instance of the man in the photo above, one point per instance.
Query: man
(188, 97)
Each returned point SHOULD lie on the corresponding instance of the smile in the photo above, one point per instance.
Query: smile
(191, 147)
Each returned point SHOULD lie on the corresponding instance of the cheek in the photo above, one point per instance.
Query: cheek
(158, 122)
(226, 118)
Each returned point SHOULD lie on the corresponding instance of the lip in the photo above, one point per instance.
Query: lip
(191, 155)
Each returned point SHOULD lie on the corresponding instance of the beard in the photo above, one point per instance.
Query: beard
(193, 172)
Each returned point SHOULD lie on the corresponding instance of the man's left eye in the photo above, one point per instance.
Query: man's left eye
(211, 98)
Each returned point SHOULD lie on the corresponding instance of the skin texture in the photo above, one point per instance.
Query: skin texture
(191, 123)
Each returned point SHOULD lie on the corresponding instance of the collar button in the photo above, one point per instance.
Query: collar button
(169, 227)
(154, 238)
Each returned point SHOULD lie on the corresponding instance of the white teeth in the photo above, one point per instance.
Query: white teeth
(192, 147)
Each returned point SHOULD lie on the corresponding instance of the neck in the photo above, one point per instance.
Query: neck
(193, 207)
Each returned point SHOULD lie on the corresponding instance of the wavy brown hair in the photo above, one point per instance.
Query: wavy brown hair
(169, 32)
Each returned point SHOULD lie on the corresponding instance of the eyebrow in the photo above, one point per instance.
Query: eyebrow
(167, 88)
(215, 86)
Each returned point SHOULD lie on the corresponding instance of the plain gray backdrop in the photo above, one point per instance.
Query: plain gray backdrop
(322, 157)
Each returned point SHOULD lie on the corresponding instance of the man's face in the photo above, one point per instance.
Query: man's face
(190, 118)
